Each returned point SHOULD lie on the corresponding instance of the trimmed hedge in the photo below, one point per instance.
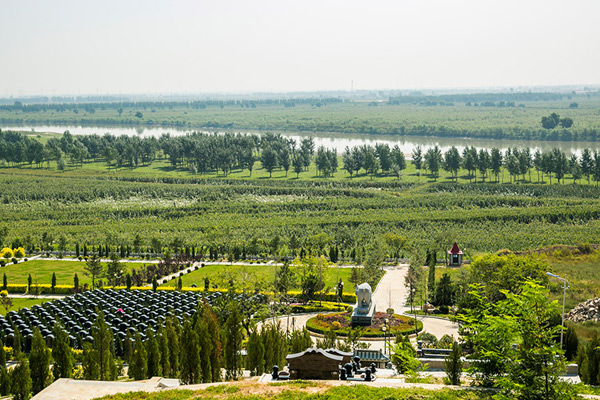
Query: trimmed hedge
(43, 289)
(314, 307)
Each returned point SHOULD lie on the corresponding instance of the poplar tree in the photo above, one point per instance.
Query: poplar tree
(61, 353)
(39, 359)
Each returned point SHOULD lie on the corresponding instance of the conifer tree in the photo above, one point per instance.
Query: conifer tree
(233, 342)
(163, 346)
(104, 349)
(138, 366)
(216, 346)
(61, 353)
(190, 356)
(39, 359)
(127, 348)
(174, 350)
(90, 362)
(153, 352)
(4, 378)
(20, 379)
(204, 338)
(53, 282)
(255, 360)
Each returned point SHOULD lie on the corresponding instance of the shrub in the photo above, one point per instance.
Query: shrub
(349, 309)
(444, 309)
(320, 317)
(14, 260)
(336, 325)
(2, 263)
(428, 340)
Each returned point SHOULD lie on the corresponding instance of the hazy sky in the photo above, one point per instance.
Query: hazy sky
(86, 47)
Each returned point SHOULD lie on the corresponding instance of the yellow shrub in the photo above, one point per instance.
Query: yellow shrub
(19, 252)
(336, 325)
(6, 253)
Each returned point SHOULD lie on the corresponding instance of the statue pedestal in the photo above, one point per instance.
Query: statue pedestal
(362, 316)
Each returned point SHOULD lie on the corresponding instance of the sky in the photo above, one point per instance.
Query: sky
(59, 47)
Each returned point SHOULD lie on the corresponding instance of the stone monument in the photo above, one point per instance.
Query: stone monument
(364, 309)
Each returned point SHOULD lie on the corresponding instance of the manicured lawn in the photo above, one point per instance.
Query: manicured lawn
(244, 274)
(23, 303)
(41, 271)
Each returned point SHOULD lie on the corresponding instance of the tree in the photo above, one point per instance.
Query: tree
(268, 159)
(349, 162)
(233, 342)
(20, 378)
(404, 356)
(566, 122)
(4, 376)
(469, 160)
(139, 114)
(356, 276)
(39, 359)
(452, 162)
(76, 282)
(575, 168)
(433, 159)
(444, 291)
(587, 163)
(164, 350)
(431, 278)
(453, 365)
(483, 163)
(93, 268)
(571, 343)
(255, 360)
(103, 349)
(204, 315)
(297, 164)
(190, 356)
(53, 284)
(61, 353)
(114, 269)
(284, 279)
(138, 365)
(153, 352)
(551, 121)
(417, 159)
(174, 346)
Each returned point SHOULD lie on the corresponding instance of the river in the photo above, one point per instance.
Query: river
(330, 140)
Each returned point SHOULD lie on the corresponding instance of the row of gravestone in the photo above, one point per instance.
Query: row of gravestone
(124, 312)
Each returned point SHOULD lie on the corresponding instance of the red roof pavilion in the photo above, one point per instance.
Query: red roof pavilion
(455, 250)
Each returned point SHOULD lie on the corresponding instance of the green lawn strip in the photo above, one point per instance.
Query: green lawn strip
(19, 303)
(220, 274)
(41, 271)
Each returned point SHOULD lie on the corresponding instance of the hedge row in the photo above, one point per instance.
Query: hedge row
(69, 289)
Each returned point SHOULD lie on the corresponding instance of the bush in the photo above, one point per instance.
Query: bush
(428, 340)
(336, 325)
(349, 309)
(444, 309)
(2, 263)
(14, 260)
(320, 317)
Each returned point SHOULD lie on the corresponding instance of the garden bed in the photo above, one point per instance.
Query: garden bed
(341, 323)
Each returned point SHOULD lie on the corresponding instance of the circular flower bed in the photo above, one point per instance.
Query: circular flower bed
(341, 323)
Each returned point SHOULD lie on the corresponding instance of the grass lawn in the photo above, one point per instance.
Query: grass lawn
(23, 303)
(220, 275)
(41, 271)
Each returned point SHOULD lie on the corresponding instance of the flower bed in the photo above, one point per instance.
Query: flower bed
(397, 324)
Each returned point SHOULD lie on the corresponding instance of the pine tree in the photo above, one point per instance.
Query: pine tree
(138, 365)
(190, 356)
(255, 360)
(20, 378)
(153, 352)
(61, 353)
(39, 359)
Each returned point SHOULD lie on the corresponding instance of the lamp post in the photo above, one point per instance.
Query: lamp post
(562, 323)
(384, 329)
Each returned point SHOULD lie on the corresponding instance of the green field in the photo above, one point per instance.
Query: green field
(412, 117)
(41, 271)
(248, 274)
(23, 303)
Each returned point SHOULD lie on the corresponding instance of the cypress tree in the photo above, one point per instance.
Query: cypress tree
(4, 378)
(174, 353)
(85, 250)
(431, 280)
(17, 343)
(61, 353)
(128, 281)
(153, 353)
(255, 360)
(127, 348)
(76, 282)
(163, 346)
(39, 359)
(77, 249)
(571, 343)
(104, 349)
(4, 282)
(205, 346)
(233, 342)
(190, 356)
(53, 283)
(90, 363)
(138, 365)
(20, 379)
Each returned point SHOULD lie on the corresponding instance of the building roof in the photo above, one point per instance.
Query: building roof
(455, 249)
(314, 350)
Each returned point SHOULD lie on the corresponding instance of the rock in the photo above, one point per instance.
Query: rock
(586, 311)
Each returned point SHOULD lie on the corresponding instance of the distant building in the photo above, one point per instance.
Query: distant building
(455, 256)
